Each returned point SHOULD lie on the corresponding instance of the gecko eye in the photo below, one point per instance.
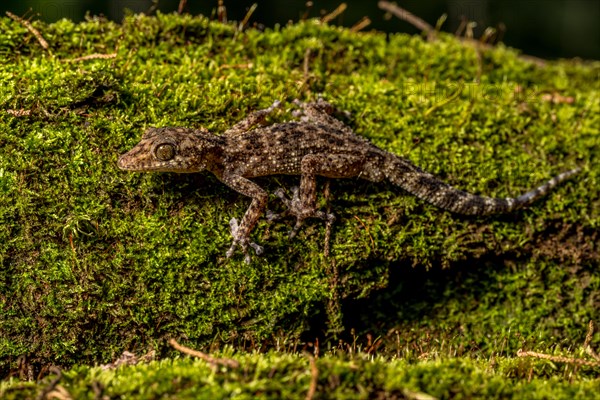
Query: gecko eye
(165, 152)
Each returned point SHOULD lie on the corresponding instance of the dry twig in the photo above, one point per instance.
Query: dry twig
(227, 362)
(221, 12)
(562, 359)
(314, 378)
(31, 29)
(407, 16)
(328, 224)
(332, 15)
(360, 25)
(244, 22)
(50, 388)
(588, 339)
(366, 230)
(569, 360)
(182, 5)
(19, 113)
(417, 22)
(306, 65)
(95, 56)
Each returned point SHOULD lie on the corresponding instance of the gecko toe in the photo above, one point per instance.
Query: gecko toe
(242, 242)
(231, 250)
(280, 192)
(259, 250)
(296, 228)
(273, 216)
(282, 196)
(329, 217)
(233, 225)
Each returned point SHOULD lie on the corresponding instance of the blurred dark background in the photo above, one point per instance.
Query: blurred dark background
(544, 28)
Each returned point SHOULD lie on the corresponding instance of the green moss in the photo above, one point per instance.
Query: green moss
(277, 375)
(95, 261)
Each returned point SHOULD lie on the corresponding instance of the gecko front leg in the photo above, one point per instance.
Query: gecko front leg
(241, 231)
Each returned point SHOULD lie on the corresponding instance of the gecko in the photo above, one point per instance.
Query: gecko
(313, 144)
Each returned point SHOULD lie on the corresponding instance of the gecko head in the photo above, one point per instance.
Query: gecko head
(168, 150)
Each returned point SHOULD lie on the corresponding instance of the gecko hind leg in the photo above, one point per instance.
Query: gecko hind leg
(296, 208)
(319, 111)
(255, 118)
(243, 242)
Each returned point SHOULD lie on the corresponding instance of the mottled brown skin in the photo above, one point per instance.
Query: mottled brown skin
(316, 145)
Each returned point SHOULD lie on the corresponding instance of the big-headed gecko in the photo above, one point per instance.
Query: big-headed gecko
(315, 145)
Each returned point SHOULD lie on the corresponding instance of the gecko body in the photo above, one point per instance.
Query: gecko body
(315, 145)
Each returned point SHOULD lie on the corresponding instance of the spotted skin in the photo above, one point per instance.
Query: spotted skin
(317, 144)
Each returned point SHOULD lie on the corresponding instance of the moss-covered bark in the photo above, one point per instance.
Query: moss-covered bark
(94, 261)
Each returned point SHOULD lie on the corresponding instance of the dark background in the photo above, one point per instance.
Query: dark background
(544, 28)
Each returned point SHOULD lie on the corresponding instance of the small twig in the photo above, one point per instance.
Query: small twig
(592, 353)
(332, 15)
(227, 362)
(19, 113)
(153, 7)
(182, 6)
(557, 98)
(589, 334)
(488, 35)
(461, 26)
(244, 22)
(471, 25)
(221, 12)
(309, 6)
(562, 359)
(92, 57)
(407, 16)
(440, 22)
(588, 339)
(59, 393)
(412, 395)
(72, 243)
(98, 389)
(360, 25)
(50, 387)
(367, 230)
(328, 224)
(314, 378)
(306, 64)
(236, 66)
(424, 26)
(31, 29)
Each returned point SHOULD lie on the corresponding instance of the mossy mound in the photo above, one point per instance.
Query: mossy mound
(95, 261)
(284, 376)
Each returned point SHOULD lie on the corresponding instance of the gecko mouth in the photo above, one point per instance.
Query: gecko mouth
(123, 163)
(126, 163)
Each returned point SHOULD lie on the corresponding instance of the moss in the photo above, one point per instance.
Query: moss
(96, 261)
(277, 375)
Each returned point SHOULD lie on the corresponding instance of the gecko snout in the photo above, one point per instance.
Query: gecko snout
(122, 162)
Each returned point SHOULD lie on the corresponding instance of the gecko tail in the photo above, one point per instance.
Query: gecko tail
(432, 190)
(540, 191)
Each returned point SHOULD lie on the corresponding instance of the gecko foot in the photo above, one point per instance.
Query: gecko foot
(273, 216)
(242, 242)
(298, 210)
